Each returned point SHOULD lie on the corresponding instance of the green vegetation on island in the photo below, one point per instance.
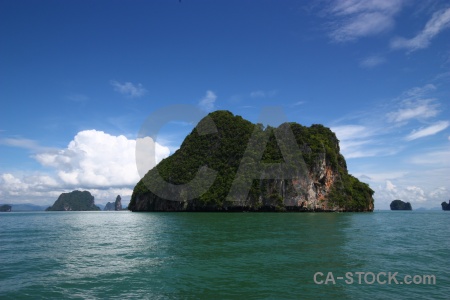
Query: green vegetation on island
(74, 201)
(400, 205)
(309, 176)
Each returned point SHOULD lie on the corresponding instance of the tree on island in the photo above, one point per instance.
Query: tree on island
(445, 205)
(400, 205)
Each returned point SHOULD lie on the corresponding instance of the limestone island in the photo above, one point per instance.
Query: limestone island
(116, 206)
(445, 205)
(230, 164)
(400, 205)
(5, 208)
(74, 201)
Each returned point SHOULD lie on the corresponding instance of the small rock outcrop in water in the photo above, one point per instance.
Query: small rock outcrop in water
(400, 205)
(117, 205)
(445, 205)
(5, 208)
(74, 201)
(252, 168)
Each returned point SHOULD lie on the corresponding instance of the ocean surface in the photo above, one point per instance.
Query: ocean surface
(124, 255)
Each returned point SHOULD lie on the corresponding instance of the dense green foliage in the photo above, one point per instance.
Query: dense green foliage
(350, 193)
(220, 151)
(74, 201)
(241, 149)
(400, 205)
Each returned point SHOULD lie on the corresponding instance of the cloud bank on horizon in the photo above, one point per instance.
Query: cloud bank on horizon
(93, 160)
(376, 72)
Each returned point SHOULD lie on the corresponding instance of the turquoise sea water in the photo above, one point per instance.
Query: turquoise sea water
(117, 255)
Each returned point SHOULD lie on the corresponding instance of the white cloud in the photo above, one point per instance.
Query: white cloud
(382, 177)
(42, 189)
(298, 103)
(346, 132)
(361, 18)
(377, 138)
(417, 173)
(365, 149)
(372, 61)
(396, 177)
(415, 193)
(358, 141)
(430, 130)
(257, 94)
(129, 89)
(422, 187)
(207, 102)
(27, 187)
(385, 194)
(97, 159)
(414, 104)
(10, 180)
(440, 193)
(365, 24)
(438, 22)
(22, 143)
(149, 154)
(418, 92)
(390, 186)
(349, 7)
(438, 158)
(421, 109)
(263, 94)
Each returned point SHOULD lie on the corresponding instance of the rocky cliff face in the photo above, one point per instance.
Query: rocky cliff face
(118, 203)
(255, 169)
(74, 201)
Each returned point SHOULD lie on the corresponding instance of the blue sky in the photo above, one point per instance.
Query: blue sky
(79, 78)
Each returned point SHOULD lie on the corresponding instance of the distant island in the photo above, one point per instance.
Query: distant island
(74, 201)
(445, 205)
(116, 206)
(5, 208)
(400, 205)
(317, 178)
